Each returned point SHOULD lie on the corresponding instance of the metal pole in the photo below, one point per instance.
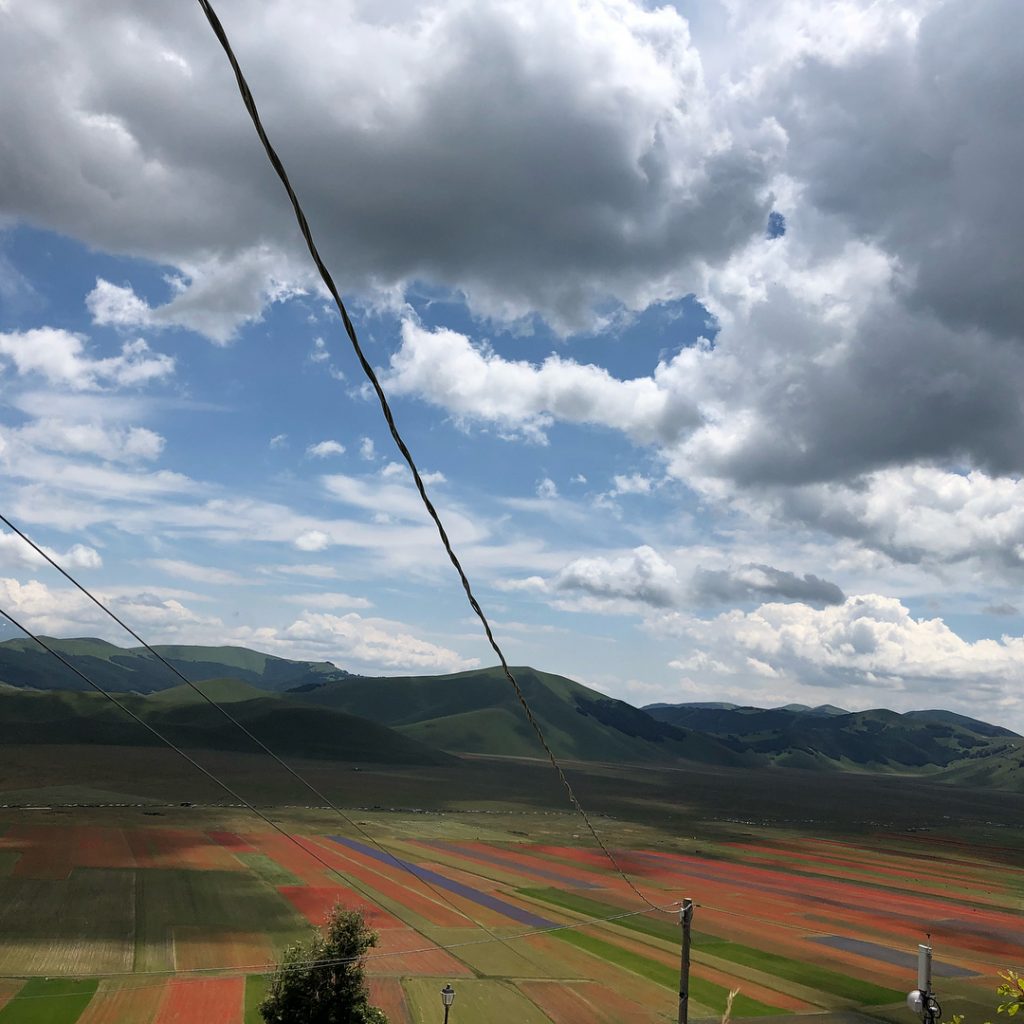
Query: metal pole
(446, 1009)
(685, 917)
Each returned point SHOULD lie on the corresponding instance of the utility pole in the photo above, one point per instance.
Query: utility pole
(685, 917)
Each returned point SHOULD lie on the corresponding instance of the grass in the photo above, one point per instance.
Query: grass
(255, 990)
(474, 1001)
(220, 900)
(702, 991)
(49, 1001)
(268, 869)
(820, 978)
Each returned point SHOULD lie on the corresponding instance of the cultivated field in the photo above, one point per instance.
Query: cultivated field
(96, 903)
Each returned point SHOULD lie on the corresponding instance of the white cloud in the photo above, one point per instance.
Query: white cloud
(547, 489)
(198, 573)
(15, 552)
(67, 612)
(323, 449)
(634, 483)
(214, 296)
(312, 540)
(444, 368)
(867, 645)
(279, 441)
(367, 449)
(377, 643)
(331, 601)
(641, 576)
(60, 357)
(106, 441)
(320, 352)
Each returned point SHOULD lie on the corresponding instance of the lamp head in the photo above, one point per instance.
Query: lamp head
(915, 1002)
(447, 995)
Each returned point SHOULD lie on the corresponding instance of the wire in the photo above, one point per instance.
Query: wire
(301, 964)
(354, 883)
(234, 721)
(371, 376)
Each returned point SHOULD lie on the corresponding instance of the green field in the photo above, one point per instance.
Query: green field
(173, 897)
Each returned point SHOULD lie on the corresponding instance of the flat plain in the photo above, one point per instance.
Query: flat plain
(114, 914)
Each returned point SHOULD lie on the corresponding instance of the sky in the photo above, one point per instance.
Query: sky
(703, 322)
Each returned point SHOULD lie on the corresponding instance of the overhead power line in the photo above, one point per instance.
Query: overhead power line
(352, 823)
(371, 376)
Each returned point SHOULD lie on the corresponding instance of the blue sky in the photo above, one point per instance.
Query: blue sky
(685, 454)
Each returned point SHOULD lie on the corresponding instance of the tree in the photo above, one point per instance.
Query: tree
(1012, 991)
(320, 981)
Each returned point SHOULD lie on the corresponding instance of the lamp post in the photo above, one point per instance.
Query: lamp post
(447, 997)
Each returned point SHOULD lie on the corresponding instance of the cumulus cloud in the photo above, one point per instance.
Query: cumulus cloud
(584, 128)
(323, 449)
(444, 367)
(378, 643)
(757, 582)
(15, 552)
(642, 576)
(63, 611)
(867, 643)
(312, 540)
(547, 488)
(61, 358)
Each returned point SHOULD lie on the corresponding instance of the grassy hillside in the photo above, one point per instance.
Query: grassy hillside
(24, 663)
(477, 712)
(878, 739)
(287, 727)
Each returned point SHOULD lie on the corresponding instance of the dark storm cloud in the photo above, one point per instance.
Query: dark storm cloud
(762, 583)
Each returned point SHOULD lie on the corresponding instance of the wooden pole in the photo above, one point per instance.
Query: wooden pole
(685, 917)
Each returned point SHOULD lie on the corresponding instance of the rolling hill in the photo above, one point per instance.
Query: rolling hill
(829, 738)
(286, 726)
(124, 670)
(315, 709)
(477, 712)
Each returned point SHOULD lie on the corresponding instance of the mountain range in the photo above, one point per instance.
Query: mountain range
(314, 709)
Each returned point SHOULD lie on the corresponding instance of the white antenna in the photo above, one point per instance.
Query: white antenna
(921, 1001)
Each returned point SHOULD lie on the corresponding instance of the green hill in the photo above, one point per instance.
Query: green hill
(24, 663)
(477, 712)
(286, 726)
(920, 741)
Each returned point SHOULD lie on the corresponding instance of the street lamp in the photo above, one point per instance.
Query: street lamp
(447, 997)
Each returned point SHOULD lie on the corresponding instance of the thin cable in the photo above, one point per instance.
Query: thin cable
(371, 376)
(234, 721)
(301, 964)
(191, 760)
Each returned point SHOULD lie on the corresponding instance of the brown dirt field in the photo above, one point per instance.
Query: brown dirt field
(388, 994)
(129, 1002)
(234, 842)
(434, 961)
(97, 847)
(202, 1001)
(46, 851)
(186, 849)
(586, 1001)
(196, 946)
